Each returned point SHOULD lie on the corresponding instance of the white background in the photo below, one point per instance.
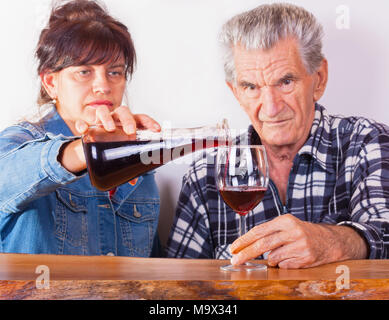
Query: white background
(179, 80)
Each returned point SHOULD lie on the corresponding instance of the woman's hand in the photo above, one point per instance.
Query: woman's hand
(121, 115)
(72, 154)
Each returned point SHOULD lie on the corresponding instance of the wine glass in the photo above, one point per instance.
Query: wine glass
(242, 177)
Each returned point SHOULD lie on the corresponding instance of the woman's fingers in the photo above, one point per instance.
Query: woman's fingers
(145, 122)
(105, 117)
(81, 126)
(109, 120)
(126, 118)
(131, 122)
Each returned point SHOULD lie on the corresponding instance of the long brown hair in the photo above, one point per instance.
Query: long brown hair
(81, 32)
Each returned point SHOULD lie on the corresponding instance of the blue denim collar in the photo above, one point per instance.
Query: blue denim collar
(53, 123)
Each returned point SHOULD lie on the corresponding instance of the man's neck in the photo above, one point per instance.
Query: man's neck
(281, 155)
(280, 164)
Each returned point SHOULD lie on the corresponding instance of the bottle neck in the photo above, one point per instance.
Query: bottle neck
(218, 132)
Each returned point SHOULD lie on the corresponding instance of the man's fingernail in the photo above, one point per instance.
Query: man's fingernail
(234, 260)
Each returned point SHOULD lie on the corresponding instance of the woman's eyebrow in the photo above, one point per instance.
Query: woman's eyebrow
(122, 65)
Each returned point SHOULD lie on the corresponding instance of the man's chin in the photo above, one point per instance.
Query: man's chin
(277, 141)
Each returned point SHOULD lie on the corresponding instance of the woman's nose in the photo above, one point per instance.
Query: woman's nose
(101, 84)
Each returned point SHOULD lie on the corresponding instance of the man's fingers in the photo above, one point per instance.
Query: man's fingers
(284, 253)
(254, 234)
(259, 247)
(286, 222)
(293, 255)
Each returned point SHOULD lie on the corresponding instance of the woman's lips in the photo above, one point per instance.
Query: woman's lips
(100, 103)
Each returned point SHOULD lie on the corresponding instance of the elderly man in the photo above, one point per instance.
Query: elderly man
(328, 198)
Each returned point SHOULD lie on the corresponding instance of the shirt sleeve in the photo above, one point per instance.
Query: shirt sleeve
(30, 168)
(190, 234)
(369, 204)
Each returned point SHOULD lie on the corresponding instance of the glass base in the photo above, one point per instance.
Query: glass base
(244, 267)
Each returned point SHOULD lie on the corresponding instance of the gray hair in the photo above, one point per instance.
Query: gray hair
(264, 26)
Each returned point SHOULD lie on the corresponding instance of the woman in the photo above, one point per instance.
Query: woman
(47, 204)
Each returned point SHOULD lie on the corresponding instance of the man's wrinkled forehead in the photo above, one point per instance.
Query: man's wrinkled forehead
(284, 54)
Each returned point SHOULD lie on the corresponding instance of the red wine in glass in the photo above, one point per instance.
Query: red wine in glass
(242, 176)
(242, 200)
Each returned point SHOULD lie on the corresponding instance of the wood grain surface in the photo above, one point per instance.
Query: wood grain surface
(81, 277)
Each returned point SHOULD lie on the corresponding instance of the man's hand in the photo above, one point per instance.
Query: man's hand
(297, 244)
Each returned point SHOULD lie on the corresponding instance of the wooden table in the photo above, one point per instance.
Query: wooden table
(81, 277)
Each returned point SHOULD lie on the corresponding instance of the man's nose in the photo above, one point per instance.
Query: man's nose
(101, 84)
(270, 104)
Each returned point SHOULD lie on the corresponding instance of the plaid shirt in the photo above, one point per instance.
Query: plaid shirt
(340, 176)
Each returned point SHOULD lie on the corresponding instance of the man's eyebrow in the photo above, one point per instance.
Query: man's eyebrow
(245, 83)
(288, 76)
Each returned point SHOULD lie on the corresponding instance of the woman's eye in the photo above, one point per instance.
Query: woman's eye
(84, 72)
(116, 73)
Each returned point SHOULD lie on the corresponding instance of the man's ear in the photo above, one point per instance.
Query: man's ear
(321, 80)
(49, 81)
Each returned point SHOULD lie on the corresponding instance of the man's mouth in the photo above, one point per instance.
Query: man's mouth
(276, 123)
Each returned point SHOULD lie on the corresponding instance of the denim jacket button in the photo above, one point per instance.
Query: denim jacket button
(137, 214)
(72, 203)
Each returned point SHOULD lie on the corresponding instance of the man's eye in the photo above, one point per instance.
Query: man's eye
(249, 87)
(251, 90)
(287, 82)
(287, 85)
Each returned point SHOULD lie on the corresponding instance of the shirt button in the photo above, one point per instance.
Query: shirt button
(111, 254)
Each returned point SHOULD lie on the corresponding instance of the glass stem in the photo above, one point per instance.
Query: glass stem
(242, 225)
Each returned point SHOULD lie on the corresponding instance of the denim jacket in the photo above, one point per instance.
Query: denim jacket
(46, 209)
